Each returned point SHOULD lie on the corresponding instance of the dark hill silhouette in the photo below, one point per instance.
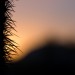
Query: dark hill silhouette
(50, 58)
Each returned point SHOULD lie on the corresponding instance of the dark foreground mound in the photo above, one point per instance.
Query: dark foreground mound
(47, 59)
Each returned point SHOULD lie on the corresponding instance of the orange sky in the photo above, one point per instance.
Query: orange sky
(40, 20)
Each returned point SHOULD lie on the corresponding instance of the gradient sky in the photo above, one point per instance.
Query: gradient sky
(41, 20)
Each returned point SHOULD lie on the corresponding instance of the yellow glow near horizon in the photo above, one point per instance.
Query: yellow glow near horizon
(40, 20)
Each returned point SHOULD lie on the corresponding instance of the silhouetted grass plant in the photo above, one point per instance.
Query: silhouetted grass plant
(10, 47)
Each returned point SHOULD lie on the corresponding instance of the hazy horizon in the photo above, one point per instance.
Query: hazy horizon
(41, 20)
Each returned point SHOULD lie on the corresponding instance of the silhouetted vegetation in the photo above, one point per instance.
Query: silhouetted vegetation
(8, 47)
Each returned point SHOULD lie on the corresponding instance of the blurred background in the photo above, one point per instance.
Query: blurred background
(40, 21)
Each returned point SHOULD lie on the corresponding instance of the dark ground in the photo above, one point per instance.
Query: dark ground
(50, 58)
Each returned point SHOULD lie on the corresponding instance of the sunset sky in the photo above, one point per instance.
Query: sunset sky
(37, 21)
